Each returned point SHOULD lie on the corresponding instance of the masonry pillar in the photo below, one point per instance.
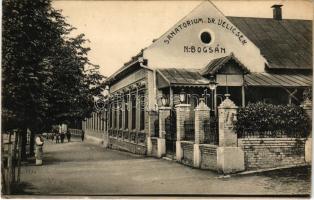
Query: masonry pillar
(307, 106)
(152, 116)
(230, 157)
(183, 114)
(202, 113)
(164, 112)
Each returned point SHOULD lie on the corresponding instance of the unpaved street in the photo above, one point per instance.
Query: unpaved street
(78, 168)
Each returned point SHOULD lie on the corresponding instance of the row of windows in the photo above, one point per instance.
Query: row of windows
(132, 106)
(96, 122)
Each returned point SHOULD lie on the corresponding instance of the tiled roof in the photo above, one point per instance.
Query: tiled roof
(286, 43)
(183, 77)
(278, 80)
(216, 64)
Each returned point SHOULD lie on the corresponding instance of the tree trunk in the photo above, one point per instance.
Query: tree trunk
(32, 144)
(24, 142)
(20, 156)
(14, 154)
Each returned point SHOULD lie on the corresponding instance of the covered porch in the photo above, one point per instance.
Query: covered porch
(227, 75)
(197, 110)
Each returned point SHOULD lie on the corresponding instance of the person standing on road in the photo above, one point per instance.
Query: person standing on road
(62, 136)
(52, 136)
(57, 135)
(68, 135)
(39, 141)
(82, 136)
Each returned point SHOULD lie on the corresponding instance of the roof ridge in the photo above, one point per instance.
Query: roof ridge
(268, 18)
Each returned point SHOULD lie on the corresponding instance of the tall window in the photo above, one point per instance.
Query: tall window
(110, 117)
(115, 116)
(120, 116)
(133, 104)
(126, 113)
(142, 111)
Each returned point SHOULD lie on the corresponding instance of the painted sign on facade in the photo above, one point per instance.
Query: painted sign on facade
(203, 35)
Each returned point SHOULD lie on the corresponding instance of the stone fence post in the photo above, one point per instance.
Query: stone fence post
(152, 116)
(230, 157)
(164, 112)
(183, 114)
(202, 114)
(307, 106)
(227, 112)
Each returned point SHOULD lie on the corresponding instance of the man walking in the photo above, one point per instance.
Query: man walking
(68, 135)
(57, 135)
(82, 136)
(62, 136)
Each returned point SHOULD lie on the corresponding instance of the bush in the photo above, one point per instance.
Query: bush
(307, 94)
(290, 120)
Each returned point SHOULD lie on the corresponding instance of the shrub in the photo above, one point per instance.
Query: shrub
(307, 94)
(263, 118)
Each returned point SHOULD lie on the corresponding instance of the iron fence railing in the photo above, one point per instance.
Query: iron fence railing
(156, 128)
(211, 131)
(189, 130)
(120, 134)
(170, 128)
(128, 136)
(75, 131)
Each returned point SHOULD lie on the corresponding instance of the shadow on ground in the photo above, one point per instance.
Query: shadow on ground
(24, 188)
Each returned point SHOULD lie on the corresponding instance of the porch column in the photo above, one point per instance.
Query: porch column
(307, 106)
(202, 113)
(230, 157)
(183, 114)
(164, 112)
(243, 95)
(171, 96)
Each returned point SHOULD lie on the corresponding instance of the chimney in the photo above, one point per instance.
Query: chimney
(277, 15)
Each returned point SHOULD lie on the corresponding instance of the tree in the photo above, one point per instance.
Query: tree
(46, 75)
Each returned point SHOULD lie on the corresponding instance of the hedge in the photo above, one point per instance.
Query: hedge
(290, 120)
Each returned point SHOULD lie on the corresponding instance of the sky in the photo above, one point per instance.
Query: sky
(118, 30)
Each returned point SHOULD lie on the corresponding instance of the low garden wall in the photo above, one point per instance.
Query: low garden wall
(94, 136)
(187, 152)
(208, 156)
(154, 146)
(262, 153)
(134, 142)
(94, 133)
(119, 144)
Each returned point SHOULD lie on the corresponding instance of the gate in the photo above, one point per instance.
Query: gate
(171, 133)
